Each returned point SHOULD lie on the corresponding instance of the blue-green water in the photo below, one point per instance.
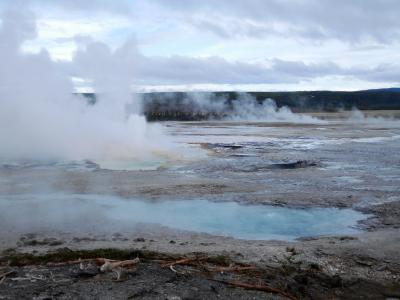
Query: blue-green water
(260, 222)
(242, 221)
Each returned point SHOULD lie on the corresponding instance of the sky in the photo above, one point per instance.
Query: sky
(252, 45)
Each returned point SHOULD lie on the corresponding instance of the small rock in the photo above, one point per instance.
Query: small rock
(85, 273)
(381, 268)
(214, 289)
(364, 262)
(173, 298)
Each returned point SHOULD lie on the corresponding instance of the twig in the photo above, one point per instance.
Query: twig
(263, 288)
(98, 261)
(233, 269)
(33, 277)
(111, 265)
(160, 261)
(4, 275)
(126, 263)
(183, 261)
(20, 278)
(176, 272)
(52, 276)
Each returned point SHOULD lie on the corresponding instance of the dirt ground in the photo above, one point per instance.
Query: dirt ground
(347, 267)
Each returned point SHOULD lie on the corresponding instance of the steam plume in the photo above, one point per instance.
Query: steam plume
(41, 118)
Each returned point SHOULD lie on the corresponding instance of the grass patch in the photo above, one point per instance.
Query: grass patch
(220, 260)
(65, 254)
(13, 258)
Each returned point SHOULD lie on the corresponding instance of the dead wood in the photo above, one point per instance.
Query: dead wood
(97, 261)
(232, 269)
(183, 261)
(111, 265)
(6, 274)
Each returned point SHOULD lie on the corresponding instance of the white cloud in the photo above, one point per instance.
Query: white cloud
(351, 21)
(268, 43)
(216, 70)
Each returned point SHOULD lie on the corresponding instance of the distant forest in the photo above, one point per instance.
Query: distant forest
(194, 106)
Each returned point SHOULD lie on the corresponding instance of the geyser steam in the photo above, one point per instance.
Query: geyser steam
(242, 107)
(40, 118)
(246, 107)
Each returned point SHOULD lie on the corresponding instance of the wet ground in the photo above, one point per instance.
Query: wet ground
(339, 165)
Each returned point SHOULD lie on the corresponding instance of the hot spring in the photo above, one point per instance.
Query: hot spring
(103, 213)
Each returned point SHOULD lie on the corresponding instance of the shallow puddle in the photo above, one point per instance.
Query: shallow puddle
(92, 212)
(133, 165)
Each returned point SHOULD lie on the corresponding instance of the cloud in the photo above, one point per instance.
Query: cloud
(387, 72)
(251, 42)
(216, 70)
(180, 69)
(350, 21)
(121, 7)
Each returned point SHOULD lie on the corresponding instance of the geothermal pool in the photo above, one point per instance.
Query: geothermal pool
(247, 180)
(255, 222)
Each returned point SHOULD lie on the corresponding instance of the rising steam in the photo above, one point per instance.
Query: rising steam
(246, 107)
(41, 118)
(219, 106)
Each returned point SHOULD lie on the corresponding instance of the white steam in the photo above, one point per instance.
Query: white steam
(41, 118)
(357, 116)
(244, 108)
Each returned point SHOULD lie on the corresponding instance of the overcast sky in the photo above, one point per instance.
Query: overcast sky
(232, 44)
